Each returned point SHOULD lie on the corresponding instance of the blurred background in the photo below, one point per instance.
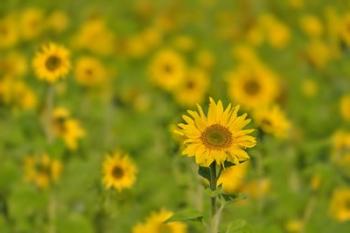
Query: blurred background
(135, 68)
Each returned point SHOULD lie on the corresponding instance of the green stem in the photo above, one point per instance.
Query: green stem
(213, 184)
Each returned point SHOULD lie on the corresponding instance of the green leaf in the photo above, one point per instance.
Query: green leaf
(204, 172)
(238, 226)
(186, 215)
(234, 196)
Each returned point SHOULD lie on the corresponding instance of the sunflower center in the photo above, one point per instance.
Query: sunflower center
(190, 84)
(117, 172)
(252, 87)
(167, 68)
(266, 122)
(52, 63)
(216, 137)
(43, 169)
(164, 228)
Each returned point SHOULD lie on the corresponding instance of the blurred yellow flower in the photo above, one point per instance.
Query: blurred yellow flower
(156, 223)
(58, 21)
(344, 29)
(232, 177)
(90, 72)
(184, 43)
(17, 94)
(52, 62)
(67, 128)
(13, 64)
(8, 32)
(339, 208)
(318, 53)
(205, 59)
(311, 25)
(119, 172)
(252, 85)
(258, 188)
(309, 87)
(192, 89)
(219, 136)
(272, 121)
(276, 32)
(42, 170)
(294, 226)
(31, 23)
(345, 107)
(96, 37)
(167, 69)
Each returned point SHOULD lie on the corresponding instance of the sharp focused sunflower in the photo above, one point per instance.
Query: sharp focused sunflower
(52, 62)
(219, 136)
(167, 69)
(253, 86)
(119, 172)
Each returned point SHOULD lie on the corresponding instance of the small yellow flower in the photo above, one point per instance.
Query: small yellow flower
(309, 87)
(67, 128)
(167, 69)
(119, 172)
(276, 32)
(95, 36)
(294, 226)
(58, 21)
(192, 89)
(13, 64)
(42, 170)
(253, 85)
(156, 223)
(90, 72)
(311, 25)
(219, 136)
(8, 32)
(31, 23)
(339, 206)
(51, 63)
(272, 120)
(318, 53)
(232, 178)
(345, 107)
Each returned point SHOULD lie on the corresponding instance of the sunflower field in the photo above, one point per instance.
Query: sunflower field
(174, 116)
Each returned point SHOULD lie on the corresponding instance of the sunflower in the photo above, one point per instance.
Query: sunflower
(8, 32)
(119, 172)
(219, 136)
(67, 128)
(52, 62)
(345, 107)
(231, 178)
(42, 170)
(90, 71)
(156, 223)
(31, 23)
(344, 29)
(311, 25)
(192, 89)
(272, 121)
(253, 86)
(167, 69)
(339, 207)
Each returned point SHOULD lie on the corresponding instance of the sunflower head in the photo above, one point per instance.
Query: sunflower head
(119, 172)
(218, 136)
(51, 63)
(253, 86)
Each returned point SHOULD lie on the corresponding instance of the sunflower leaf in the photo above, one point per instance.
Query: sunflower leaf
(186, 215)
(204, 172)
